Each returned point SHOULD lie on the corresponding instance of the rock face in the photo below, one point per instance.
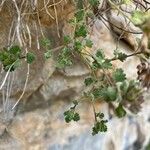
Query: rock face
(37, 123)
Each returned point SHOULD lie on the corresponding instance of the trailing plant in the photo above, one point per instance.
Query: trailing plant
(112, 86)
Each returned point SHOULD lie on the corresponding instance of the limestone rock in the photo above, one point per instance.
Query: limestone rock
(38, 123)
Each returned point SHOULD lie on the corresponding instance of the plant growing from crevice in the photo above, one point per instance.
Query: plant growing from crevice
(112, 86)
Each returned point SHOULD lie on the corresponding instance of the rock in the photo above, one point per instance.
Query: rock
(44, 129)
(37, 123)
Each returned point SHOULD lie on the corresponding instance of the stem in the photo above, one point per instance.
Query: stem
(94, 112)
(134, 54)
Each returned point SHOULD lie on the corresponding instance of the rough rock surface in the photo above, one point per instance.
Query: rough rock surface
(38, 123)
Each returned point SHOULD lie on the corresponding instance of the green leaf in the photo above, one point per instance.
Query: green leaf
(132, 94)
(45, 42)
(98, 93)
(3, 55)
(93, 2)
(101, 62)
(64, 58)
(119, 75)
(106, 64)
(124, 87)
(111, 93)
(130, 90)
(89, 81)
(127, 1)
(79, 4)
(107, 93)
(100, 54)
(81, 31)
(70, 115)
(79, 15)
(64, 62)
(14, 50)
(95, 65)
(100, 126)
(78, 45)
(89, 43)
(30, 57)
(10, 58)
(76, 117)
(119, 55)
(67, 39)
(48, 54)
(120, 112)
(122, 56)
(138, 17)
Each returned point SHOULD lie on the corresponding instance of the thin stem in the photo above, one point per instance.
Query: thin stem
(120, 27)
(94, 111)
(134, 54)
(25, 85)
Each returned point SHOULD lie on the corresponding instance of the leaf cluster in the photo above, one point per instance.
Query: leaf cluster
(11, 57)
(71, 115)
(46, 44)
(100, 124)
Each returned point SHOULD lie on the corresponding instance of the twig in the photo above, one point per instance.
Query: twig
(10, 32)
(138, 2)
(146, 2)
(18, 23)
(3, 83)
(2, 3)
(45, 5)
(25, 85)
(120, 27)
(56, 19)
(94, 111)
(29, 34)
(134, 54)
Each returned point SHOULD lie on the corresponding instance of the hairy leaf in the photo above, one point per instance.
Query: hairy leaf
(119, 75)
(30, 57)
